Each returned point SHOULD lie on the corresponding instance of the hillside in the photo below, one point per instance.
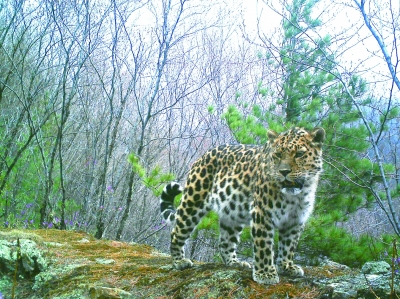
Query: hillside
(69, 264)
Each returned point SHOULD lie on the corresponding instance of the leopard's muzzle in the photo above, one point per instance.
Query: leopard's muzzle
(292, 187)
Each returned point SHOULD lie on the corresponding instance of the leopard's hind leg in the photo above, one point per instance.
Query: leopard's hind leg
(229, 237)
(188, 215)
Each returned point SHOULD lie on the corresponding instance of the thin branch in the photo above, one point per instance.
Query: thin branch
(367, 20)
(393, 219)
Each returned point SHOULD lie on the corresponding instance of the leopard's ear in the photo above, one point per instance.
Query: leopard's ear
(318, 135)
(272, 135)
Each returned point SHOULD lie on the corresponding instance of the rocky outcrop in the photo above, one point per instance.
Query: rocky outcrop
(67, 264)
(373, 281)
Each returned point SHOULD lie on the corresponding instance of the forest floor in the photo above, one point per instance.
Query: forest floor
(80, 266)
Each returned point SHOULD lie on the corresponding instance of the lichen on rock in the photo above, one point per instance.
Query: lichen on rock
(380, 267)
(31, 260)
(362, 285)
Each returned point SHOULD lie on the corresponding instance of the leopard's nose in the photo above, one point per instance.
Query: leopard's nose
(285, 172)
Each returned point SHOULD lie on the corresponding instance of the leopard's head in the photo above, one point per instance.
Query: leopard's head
(296, 156)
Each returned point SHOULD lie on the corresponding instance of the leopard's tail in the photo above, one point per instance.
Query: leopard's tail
(167, 201)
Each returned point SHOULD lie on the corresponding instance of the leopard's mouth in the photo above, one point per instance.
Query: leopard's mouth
(292, 184)
(292, 187)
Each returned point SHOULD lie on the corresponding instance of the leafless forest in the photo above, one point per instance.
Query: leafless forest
(103, 101)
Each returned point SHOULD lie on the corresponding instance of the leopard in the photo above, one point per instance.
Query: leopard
(271, 187)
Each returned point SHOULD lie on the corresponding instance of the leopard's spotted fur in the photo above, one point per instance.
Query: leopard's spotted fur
(272, 187)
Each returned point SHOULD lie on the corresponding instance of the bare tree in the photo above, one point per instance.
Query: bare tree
(23, 85)
(175, 23)
(383, 22)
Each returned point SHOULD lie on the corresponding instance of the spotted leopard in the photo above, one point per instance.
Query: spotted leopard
(270, 187)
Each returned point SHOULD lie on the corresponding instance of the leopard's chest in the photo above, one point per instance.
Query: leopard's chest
(288, 210)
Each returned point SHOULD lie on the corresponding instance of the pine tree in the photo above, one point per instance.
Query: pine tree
(312, 96)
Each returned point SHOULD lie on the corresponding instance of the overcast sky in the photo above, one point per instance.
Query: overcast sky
(355, 48)
(361, 51)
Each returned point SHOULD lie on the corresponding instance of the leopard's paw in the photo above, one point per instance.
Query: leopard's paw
(289, 269)
(267, 277)
(238, 263)
(182, 264)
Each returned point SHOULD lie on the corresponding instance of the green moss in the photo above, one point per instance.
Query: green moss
(60, 276)
(83, 270)
(12, 235)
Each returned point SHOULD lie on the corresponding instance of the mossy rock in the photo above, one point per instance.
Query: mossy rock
(31, 260)
(376, 268)
(94, 269)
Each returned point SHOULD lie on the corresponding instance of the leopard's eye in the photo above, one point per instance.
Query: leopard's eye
(278, 155)
(299, 154)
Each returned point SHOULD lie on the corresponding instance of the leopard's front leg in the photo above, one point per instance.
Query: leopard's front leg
(264, 270)
(288, 239)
